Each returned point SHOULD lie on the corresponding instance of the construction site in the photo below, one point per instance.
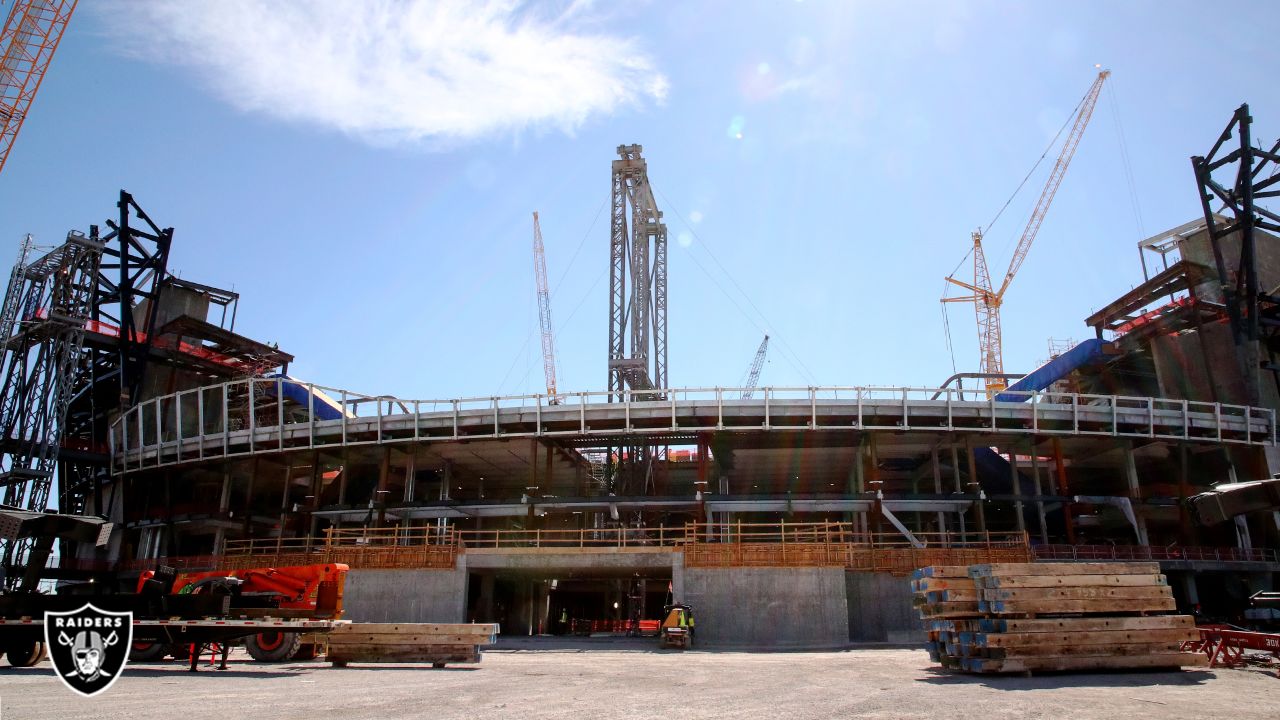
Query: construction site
(146, 440)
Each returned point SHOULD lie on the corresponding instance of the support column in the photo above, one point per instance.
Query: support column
(937, 489)
(224, 505)
(1035, 475)
(410, 475)
(1017, 488)
(955, 475)
(317, 481)
(446, 483)
(1186, 531)
(1135, 497)
(380, 492)
(975, 487)
(1064, 489)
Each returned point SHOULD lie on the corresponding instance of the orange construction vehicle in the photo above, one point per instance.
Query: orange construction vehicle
(302, 591)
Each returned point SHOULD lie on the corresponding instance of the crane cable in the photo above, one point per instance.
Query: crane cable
(529, 338)
(1124, 158)
(1052, 143)
(794, 360)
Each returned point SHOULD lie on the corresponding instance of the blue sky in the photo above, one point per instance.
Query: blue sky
(364, 173)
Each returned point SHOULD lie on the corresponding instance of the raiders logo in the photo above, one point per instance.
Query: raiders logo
(88, 647)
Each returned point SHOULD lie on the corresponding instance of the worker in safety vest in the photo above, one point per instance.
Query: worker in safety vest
(689, 622)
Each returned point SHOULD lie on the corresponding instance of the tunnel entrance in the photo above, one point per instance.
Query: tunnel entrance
(566, 604)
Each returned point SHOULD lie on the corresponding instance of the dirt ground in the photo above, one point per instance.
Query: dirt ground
(629, 679)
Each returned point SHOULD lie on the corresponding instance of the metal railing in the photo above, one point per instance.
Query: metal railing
(251, 416)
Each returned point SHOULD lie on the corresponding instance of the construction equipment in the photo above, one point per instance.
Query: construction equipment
(986, 300)
(544, 312)
(30, 37)
(302, 591)
(753, 374)
(677, 627)
(178, 623)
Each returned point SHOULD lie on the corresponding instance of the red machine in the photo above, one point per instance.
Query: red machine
(1225, 645)
(302, 591)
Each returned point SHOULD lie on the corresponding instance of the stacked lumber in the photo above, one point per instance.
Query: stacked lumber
(435, 643)
(1038, 617)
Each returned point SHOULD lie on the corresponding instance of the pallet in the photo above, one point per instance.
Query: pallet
(1077, 607)
(1085, 624)
(1104, 637)
(1045, 581)
(435, 643)
(948, 583)
(943, 571)
(1171, 660)
(1049, 569)
(1077, 593)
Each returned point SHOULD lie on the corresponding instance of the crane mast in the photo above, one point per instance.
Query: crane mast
(544, 311)
(753, 374)
(30, 36)
(986, 299)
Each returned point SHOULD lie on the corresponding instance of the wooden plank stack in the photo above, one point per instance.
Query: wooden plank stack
(1041, 617)
(438, 644)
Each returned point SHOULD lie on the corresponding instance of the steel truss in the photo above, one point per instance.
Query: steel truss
(637, 312)
(1254, 313)
(60, 388)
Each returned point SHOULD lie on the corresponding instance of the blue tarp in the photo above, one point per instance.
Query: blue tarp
(1054, 370)
(326, 408)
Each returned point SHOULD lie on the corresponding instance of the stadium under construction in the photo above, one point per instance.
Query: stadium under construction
(785, 515)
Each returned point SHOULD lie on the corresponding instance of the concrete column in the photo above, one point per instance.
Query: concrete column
(1243, 540)
(1064, 489)
(937, 489)
(1135, 497)
(410, 473)
(380, 492)
(1017, 488)
(446, 482)
(1189, 587)
(955, 475)
(1035, 475)
(224, 505)
(975, 487)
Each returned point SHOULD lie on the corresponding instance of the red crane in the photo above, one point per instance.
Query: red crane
(31, 34)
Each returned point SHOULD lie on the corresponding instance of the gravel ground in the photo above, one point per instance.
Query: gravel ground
(626, 679)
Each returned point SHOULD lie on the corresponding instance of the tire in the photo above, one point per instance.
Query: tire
(25, 653)
(273, 646)
(306, 651)
(147, 652)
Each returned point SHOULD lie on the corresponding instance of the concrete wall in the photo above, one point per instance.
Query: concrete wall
(766, 607)
(880, 609)
(438, 596)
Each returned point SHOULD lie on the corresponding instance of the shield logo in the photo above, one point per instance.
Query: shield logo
(88, 647)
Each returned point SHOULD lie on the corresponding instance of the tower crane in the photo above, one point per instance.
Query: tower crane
(986, 300)
(28, 40)
(544, 312)
(753, 374)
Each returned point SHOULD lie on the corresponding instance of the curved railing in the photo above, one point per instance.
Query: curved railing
(262, 415)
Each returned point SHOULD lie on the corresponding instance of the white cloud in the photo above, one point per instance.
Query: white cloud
(398, 71)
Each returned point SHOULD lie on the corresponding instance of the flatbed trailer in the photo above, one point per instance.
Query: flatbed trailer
(199, 634)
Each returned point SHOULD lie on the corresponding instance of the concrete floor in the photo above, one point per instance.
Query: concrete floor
(628, 679)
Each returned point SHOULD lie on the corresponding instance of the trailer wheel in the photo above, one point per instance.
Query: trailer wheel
(147, 651)
(273, 646)
(306, 651)
(25, 653)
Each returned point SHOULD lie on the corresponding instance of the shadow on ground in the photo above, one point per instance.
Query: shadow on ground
(1050, 680)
